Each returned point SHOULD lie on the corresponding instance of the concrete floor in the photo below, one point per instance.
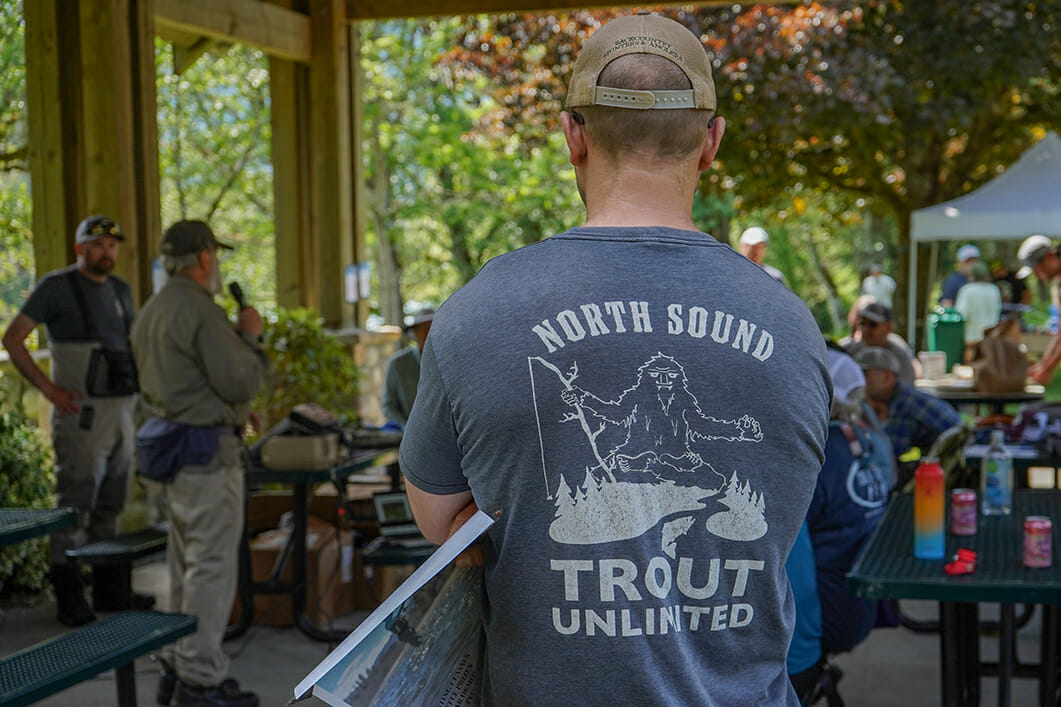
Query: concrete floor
(892, 667)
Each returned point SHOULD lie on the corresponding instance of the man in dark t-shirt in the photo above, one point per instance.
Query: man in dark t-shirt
(591, 393)
(85, 310)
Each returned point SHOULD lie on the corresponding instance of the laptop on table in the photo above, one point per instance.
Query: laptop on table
(396, 523)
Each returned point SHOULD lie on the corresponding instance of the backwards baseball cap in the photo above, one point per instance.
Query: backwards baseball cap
(876, 312)
(97, 226)
(642, 33)
(186, 237)
(754, 236)
(1031, 253)
(968, 252)
(877, 358)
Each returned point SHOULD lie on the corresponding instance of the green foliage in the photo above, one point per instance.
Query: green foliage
(16, 245)
(26, 481)
(306, 364)
(448, 192)
(214, 161)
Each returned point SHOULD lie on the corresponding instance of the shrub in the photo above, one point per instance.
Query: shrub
(306, 364)
(26, 481)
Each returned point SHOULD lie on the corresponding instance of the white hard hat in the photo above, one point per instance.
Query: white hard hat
(754, 236)
(1031, 252)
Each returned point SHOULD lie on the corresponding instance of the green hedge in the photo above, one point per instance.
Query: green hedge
(27, 481)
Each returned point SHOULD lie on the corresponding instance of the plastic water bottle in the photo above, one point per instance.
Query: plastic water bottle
(996, 479)
(929, 505)
(1052, 322)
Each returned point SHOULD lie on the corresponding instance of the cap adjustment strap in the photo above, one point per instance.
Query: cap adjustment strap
(643, 100)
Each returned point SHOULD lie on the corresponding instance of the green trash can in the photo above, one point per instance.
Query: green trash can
(946, 332)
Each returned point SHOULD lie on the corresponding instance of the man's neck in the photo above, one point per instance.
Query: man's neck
(637, 197)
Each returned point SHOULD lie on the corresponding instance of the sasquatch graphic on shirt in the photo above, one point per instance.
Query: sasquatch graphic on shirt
(647, 465)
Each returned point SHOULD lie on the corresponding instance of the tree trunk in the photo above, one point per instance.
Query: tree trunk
(388, 268)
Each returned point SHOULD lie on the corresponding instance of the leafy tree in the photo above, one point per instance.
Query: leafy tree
(873, 99)
(446, 196)
(214, 162)
(16, 246)
(881, 98)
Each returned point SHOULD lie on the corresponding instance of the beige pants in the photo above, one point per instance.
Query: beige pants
(206, 510)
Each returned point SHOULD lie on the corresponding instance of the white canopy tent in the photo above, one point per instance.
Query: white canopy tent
(1022, 201)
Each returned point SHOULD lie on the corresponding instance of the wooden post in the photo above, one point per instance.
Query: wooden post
(330, 155)
(93, 134)
(53, 90)
(358, 189)
(120, 132)
(288, 85)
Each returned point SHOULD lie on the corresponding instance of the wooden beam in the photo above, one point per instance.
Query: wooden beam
(184, 57)
(330, 158)
(52, 130)
(275, 30)
(109, 166)
(387, 9)
(146, 190)
(289, 93)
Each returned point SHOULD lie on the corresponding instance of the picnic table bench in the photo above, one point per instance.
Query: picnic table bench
(51, 666)
(119, 553)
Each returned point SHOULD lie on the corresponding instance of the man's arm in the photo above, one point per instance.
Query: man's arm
(14, 341)
(1042, 370)
(235, 367)
(436, 514)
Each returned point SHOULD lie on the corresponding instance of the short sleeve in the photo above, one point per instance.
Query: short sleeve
(430, 456)
(40, 305)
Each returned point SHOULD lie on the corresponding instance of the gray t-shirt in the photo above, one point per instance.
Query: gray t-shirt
(647, 411)
(53, 303)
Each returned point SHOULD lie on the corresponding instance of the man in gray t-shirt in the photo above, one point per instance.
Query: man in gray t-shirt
(642, 409)
(84, 309)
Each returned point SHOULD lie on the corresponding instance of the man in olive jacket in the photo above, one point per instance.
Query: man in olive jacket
(198, 374)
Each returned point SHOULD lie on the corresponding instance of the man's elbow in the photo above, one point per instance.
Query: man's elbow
(435, 514)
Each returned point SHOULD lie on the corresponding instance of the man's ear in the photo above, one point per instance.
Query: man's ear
(716, 128)
(575, 134)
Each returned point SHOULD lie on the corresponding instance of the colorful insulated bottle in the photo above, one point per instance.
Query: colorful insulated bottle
(929, 506)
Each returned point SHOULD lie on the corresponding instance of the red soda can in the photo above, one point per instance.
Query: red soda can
(963, 512)
(1038, 550)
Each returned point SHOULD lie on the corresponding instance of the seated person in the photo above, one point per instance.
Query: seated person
(403, 372)
(910, 417)
(849, 500)
(874, 327)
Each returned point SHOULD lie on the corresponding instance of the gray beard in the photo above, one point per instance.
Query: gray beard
(213, 283)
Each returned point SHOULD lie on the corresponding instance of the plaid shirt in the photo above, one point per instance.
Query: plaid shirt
(916, 419)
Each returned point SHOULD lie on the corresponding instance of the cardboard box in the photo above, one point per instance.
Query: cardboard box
(335, 582)
(266, 508)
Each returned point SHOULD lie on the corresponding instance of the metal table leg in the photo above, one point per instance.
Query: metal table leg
(950, 654)
(1048, 656)
(1005, 654)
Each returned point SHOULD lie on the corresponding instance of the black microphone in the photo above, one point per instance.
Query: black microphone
(237, 294)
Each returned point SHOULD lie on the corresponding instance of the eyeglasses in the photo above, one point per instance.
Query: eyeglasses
(104, 228)
(868, 324)
(577, 117)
